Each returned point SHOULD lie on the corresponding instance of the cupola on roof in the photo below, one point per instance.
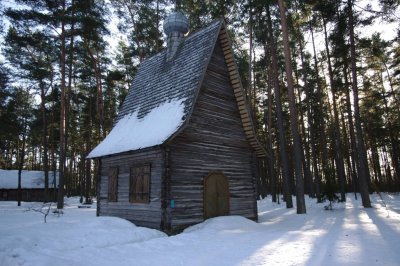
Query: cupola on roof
(176, 22)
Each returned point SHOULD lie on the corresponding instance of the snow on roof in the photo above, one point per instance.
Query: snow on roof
(29, 179)
(158, 81)
(161, 97)
(160, 84)
(132, 133)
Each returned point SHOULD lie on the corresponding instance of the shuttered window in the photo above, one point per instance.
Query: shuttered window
(113, 184)
(139, 184)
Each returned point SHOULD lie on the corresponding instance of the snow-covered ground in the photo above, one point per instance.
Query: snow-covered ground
(348, 235)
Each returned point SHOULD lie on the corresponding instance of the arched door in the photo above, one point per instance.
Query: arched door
(216, 195)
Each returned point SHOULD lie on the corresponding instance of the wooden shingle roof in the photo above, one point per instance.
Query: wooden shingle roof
(159, 81)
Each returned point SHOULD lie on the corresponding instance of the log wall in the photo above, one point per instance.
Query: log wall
(214, 140)
(141, 214)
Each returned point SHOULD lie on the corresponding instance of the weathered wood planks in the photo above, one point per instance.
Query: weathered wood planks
(219, 136)
(138, 213)
(213, 140)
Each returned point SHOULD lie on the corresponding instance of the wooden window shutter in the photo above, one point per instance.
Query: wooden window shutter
(139, 184)
(132, 184)
(146, 183)
(113, 184)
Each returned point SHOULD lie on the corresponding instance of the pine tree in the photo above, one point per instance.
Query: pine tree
(297, 150)
(141, 21)
(281, 130)
(31, 54)
(363, 177)
(20, 108)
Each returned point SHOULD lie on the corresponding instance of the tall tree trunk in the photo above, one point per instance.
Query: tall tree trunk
(301, 206)
(320, 93)
(307, 171)
(336, 128)
(363, 177)
(68, 93)
(100, 101)
(44, 142)
(390, 182)
(395, 155)
(271, 159)
(353, 151)
(88, 182)
(306, 159)
(375, 163)
(393, 140)
(346, 147)
(281, 129)
(53, 159)
(88, 149)
(268, 125)
(60, 200)
(21, 159)
(99, 91)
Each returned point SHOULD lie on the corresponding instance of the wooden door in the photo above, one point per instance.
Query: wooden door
(216, 195)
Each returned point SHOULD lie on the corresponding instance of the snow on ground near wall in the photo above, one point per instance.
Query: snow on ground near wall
(131, 133)
(29, 179)
(348, 235)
